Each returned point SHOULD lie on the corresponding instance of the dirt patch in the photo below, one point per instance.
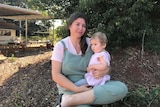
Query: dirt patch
(26, 81)
(129, 66)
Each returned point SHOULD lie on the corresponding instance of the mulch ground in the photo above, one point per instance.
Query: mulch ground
(26, 81)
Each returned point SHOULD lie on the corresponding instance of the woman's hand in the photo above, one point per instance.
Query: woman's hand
(90, 68)
(98, 74)
(83, 88)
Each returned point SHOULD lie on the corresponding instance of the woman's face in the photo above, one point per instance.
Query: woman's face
(78, 27)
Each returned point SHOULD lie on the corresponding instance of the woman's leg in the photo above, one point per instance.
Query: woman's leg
(83, 106)
(111, 92)
(86, 97)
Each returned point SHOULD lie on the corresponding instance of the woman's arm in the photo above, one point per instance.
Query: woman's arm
(100, 73)
(101, 66)
(60, 79)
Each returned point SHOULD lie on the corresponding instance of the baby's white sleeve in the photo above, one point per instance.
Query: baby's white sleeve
(107, 58)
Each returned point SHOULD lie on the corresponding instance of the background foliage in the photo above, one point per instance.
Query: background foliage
(124, 21)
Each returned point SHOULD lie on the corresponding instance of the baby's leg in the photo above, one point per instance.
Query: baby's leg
(81, 82)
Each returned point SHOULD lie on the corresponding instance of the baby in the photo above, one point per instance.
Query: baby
(100, 60)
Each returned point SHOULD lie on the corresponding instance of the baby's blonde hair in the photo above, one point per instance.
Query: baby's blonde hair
(101, 36)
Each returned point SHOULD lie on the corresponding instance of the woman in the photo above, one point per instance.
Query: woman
(70, 59)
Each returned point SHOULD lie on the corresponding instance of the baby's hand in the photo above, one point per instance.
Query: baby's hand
(100, 59)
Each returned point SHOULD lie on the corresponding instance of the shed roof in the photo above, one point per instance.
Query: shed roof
(17, 13)
(6, 25)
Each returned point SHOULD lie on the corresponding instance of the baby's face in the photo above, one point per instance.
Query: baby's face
(96, 46)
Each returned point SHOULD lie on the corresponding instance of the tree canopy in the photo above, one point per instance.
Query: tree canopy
(123, 21)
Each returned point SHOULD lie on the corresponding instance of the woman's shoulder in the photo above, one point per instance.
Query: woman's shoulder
(64, 40)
